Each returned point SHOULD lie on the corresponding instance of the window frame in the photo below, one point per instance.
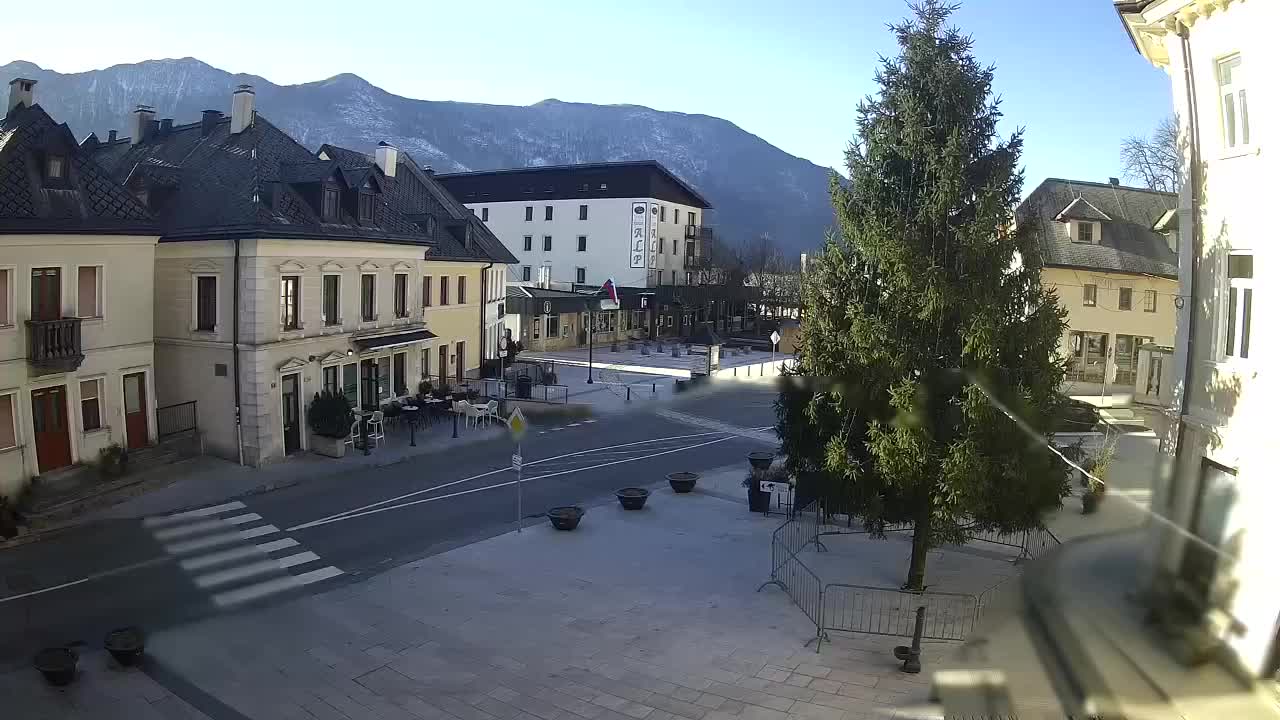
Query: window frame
(1237, 310)
(1150, 301)
(582, 212)
(528, 243)
(8, 319)
(461, 294)
(444, 290)
(330, 212)
(100, 294)
(1125, 291)
(582, 243)
(400, 294)
(484, 214)
(364, 206)
(51, 177)
(325, 318)
(14, 418)
(336, 370)
(1235, 133)
(548, 213)
(1085, 296)
(426, 290)
(291, 321)
(526, 273)
(581, 275)
(372, 315)
(546, 243)
(528, 213)
(662, 213)
(195, 304)
(97, 401)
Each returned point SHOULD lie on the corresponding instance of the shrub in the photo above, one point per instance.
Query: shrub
(113, 460)
(424, 387)
(330, 414)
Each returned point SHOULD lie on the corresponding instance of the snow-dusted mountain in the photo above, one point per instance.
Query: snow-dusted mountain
(755, 187)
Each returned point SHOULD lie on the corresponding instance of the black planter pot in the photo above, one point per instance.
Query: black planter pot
(565, 518)
(58, 665)
(632, 498)
(126, 645)
(760, 460)
(758, 501)
(1089, 502)
(682, 482)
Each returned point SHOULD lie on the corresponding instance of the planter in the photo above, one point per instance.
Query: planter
(632, 498)
(565, 518)
(328, 447)
(1089, 502)
(683, 482)
(125, 645)
(760, 460)
(758, 501)
(58, 665)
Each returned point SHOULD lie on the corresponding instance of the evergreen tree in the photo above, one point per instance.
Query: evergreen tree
(925, 297)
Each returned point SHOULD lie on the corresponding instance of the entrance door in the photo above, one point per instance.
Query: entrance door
(46, 293)
(461, 362)
(135, 410)
(444, 365)
(49, 420)
(289, 413)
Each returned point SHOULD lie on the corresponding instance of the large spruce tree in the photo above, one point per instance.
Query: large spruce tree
(927, 300)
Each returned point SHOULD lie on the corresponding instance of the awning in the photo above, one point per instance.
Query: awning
(382, 342)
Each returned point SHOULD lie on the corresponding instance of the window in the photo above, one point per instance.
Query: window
(662, 213)
(546, 243)
(1126, 298)
(384, 378)
(528, 213)
(553, 326)
(90, 405)
(401, 295)
(548, 213)
(426, 291)
(528, 243)
(525, 273)
(675, 247)
(673, 277)
(206, 303)
(582, 243)
(462, 290)
(8, 422)
(688, 249)
(331, 303)
(399, 385)
(693, 218)
(582, 212)
(1239, 304)
(676, 220)
(582, 275)
(662, 245)
(89, 291)
(330, 204)
(444, 291)
(537, 328)
(1090, 295)
(366, 206)
(426, 363)
(350, 383)
(484, 214)
(6, 290)
(368, 297)
(289, 302)
(688, 278)
(1149, 301)
(55, 167)
(329, 378)
(1084, 232)
(1235, 109)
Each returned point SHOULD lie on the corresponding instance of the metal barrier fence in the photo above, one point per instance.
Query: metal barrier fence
(885, 611)
(508, 390)
(174, 419)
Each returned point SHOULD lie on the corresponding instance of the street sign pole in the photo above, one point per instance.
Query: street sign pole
(519, 490)
(591, 341)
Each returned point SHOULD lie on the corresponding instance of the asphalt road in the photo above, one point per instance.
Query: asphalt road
(345, 528)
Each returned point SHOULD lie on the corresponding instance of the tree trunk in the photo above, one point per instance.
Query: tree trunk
(920, 545)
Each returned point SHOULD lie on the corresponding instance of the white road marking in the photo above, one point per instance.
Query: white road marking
(218, 558)
(259, 531)
(433, 488)
(196, 528)
(242, 519)
(44, 590)
(212, 541)
(273, 586)
(261, 567)
(190, 514)
(275, 545)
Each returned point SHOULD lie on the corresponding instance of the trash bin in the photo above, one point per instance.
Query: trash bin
(524, 387)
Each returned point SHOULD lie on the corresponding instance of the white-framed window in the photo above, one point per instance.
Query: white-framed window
(1090, 295)
(329, 381)
(1084, 232)
(1149, 301)
(1126, 298)
(89, 291)
(1239, 308)
(528, 243)
(331, 302)
(400, 295)
(582, 243)
(6, 296)
(91, 404)
(546, 243)
(484, 214)
(368, 297)
(581, 275)
(426, 291)
(8, 420)
(526, 272)
(1234, 103)
(528, 213)
(582, 212)
(291, 302)
(204, 310)
(548, 213)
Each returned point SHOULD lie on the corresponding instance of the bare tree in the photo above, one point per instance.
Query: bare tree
(1154, 162)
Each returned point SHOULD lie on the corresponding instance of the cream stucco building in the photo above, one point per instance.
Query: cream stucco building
(76, 359)
(281, 273)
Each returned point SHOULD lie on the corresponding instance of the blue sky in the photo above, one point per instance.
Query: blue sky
(789, 71)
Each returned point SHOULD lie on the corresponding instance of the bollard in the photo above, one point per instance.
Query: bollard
(910, 656)
(655, 388)
(412, 442)
(364, 434)
(628, 393)
(455, 423)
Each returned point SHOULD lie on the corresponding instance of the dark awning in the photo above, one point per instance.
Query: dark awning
(381, 342)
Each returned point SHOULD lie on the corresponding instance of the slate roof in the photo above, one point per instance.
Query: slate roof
(89, 201)
(1128, 244)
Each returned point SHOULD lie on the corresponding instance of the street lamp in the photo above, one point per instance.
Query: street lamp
(591, 340)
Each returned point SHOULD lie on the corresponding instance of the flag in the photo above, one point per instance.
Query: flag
(610, 300)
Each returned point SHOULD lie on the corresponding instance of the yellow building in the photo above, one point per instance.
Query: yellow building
(1110, 253)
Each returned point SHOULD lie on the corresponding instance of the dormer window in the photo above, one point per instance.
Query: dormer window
(55, 167)
(331, 204)
(366, 206)
(1084, 233)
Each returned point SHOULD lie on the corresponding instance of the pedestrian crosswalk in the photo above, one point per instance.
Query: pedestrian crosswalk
(235, 555)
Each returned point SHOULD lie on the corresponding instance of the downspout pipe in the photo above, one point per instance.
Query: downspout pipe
(235, 346)
(1197, 227)
(484, 309)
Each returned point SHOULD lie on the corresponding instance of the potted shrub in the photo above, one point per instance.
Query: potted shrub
(565, 518)
(442, 392)
(758, 500)
(632, 498)
(58, 665)
(9, 518)
(1097, 467)
(125, 645)
(682, 482)
(330, 419)
(113, 461)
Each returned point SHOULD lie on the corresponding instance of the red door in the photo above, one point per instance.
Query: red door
(49, 420)
(135, 410)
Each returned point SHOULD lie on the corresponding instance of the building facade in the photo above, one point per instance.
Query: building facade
(1109, 251)
(281, 273)
(1217, 552)
(76, 354)
(634, 222)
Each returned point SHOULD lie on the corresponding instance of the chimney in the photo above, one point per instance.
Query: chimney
(20, 91)
(111, 136)
(386, 156)
(428, 170)
(1113, 181)
(142, 120)
(166, 126)
(208, 121)
(241, 109)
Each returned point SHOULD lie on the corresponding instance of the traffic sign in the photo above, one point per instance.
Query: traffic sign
(502, 353)
(516, 461)
(517, 425)
(775, 337)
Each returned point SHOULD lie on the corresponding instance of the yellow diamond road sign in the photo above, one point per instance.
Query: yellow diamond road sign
(517, 424)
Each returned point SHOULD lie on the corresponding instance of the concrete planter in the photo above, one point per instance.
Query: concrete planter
(632, 498)
(329, 447)
(58, 665)
(565, 518)
(682, 482)
(125, 645)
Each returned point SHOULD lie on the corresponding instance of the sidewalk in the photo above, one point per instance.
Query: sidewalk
(649, 615)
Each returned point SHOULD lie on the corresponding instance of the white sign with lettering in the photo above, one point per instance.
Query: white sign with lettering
(639, 233)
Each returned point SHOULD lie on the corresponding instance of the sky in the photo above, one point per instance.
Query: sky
(790, 71)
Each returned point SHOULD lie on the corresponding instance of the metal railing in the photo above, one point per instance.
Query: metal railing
(174, 419)
(54, 343)
(885, 611)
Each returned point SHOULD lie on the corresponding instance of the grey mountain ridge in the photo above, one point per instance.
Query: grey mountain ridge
(755, 187)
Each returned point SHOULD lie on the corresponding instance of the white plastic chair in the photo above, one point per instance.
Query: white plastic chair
(355, 432)
(490, 411)
(376, 433)
(475, 415)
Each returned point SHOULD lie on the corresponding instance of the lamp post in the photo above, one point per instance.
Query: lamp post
(591, 337)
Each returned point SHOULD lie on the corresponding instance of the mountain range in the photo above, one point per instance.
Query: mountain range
(754, 187)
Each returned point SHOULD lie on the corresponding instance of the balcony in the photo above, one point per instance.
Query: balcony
(54, 345)
(697, 232)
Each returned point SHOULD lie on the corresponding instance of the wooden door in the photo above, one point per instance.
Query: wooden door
(46, 293)
(135, 411)
(289, 412)
(460, 362)
(444, 365)
(49, 421)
